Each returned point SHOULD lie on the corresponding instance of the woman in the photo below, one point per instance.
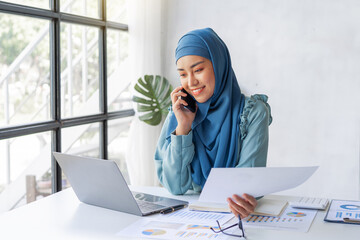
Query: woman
(226, 130)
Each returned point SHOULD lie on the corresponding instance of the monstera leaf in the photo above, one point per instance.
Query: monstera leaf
(156, 98)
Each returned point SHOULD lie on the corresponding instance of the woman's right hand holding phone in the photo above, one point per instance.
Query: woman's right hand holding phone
(183, 116)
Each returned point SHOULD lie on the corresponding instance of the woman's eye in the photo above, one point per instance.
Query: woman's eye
(198, 70)
(182, 75)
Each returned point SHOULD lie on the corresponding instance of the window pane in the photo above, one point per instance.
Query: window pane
(87, 8)
(32, 3)
(24, 170)
(82, 141)
(24, 70)
(119, 97)
(117, 11)
(118, 134)
(79, 70)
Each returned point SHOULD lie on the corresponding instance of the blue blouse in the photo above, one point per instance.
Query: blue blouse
(173, 158)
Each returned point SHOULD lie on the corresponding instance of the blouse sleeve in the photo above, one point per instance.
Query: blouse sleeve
(172, 160)
(254, 126)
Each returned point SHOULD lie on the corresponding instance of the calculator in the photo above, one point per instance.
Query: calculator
(310, 203)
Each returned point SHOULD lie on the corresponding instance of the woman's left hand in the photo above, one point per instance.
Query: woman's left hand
(242, 205)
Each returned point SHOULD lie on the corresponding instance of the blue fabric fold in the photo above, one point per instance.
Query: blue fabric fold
(216, 124)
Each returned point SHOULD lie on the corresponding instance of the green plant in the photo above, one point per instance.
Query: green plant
(156, 98)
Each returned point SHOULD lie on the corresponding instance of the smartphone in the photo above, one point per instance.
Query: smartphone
(190, 101)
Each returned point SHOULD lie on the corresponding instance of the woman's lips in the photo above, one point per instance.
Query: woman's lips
(197, 91)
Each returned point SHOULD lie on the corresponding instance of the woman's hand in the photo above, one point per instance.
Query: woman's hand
(242, 205)
(183, 116)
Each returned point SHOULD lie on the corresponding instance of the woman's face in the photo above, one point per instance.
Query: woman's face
(197, 76)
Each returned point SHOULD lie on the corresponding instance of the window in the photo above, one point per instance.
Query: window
(118, 80)
(118, 143)
(63, 84)
(117, 14)
(32, 3)
(24, 70)
(88, 8)
(79, 69)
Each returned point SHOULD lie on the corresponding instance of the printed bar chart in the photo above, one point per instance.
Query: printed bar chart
(291, 219)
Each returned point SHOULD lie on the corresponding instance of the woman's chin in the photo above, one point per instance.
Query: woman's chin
(201, 99)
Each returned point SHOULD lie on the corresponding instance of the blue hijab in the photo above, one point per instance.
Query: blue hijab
(216, 124)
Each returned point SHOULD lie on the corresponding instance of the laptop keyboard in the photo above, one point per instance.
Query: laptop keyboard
(148, 206)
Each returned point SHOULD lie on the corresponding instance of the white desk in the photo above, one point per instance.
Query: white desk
(62, 216)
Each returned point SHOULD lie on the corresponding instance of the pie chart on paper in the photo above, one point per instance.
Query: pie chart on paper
(296, 214)
(153, 232)
(350, 207)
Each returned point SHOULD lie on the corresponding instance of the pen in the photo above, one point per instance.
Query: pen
(351, 220)
(172, 209)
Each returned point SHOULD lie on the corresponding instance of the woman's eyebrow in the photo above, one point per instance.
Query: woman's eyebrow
(192, 66)
(195, 64)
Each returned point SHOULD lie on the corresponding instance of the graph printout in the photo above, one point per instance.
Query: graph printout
(339, 210)
(147, 228)
(259, 181)
(292, 219)
(200, 217)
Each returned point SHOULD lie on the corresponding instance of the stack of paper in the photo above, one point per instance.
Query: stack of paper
(210, 207)
(268, 207)
(221, 184)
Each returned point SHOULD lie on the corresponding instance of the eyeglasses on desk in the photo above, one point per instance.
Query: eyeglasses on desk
(223, 230)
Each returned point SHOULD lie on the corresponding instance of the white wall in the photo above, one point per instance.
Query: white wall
(305, 55)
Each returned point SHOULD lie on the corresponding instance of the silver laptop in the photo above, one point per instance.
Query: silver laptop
(99, 182)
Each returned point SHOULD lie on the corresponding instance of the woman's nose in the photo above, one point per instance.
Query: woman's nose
(192, 81)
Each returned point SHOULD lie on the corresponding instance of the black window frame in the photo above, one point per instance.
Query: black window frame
(55, 125)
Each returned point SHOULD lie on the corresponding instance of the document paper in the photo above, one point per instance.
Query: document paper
(152, 229)
(291, 220)
(199, 217)
(224, 182)
(340, 209)
(182, 224)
